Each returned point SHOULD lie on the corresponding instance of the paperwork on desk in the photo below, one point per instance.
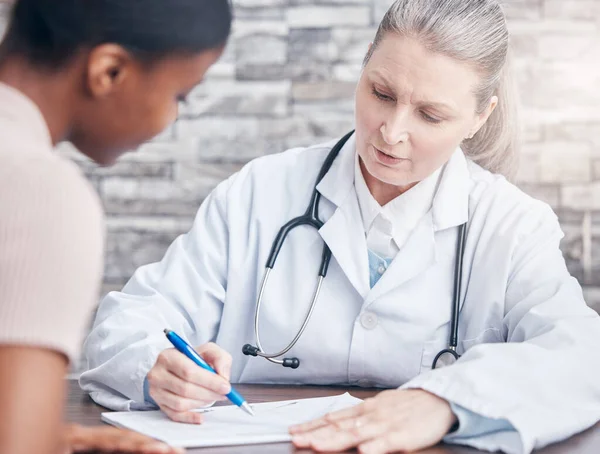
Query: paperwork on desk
(228, 425)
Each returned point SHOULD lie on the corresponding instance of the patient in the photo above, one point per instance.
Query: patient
(106, 76)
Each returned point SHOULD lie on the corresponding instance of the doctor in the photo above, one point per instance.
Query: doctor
(433, 138)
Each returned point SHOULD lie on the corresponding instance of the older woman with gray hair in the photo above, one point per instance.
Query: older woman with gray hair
(432, 258)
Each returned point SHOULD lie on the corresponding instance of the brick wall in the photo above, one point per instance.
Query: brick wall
(287, 79)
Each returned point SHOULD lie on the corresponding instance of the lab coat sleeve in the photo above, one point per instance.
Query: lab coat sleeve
(544, 379)
(184, 292)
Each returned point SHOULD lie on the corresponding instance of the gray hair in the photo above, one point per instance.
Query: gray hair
(473, 32)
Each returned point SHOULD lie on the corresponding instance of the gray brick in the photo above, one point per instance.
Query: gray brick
(322, 127)
(531, 133)
(351, 44)
(345, 105)
(564, 162)
(112, 285)
(225, 128)
(549, 193)
(586, 10)
(311, 45)
(127, 196)
(261, 49)
(260, 13)
(581, 196)
(259, 3)
(380, 7)
(221, 70)
(592, 297)
(596, 169)
(300, 71)
(260, 42)
(128, 250)
(294, 71)
(523, 9)
(524, 45)
(572, 98)
(4, 12)
(593, 277)
(322, 91)
(166, 136)
(163, 170)
(328, 16)
(529, 167)
(258, 72)
(239, 98)
(574, 132)
(570, 217)
(572, 248)
(347, 72)
(329, 2)
(567, 46)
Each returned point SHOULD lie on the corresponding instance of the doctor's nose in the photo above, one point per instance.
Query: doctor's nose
(394, 129)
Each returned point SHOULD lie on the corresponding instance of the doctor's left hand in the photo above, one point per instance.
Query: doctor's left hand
(395, 420)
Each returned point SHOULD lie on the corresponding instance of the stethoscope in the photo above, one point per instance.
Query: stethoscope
(311, 218)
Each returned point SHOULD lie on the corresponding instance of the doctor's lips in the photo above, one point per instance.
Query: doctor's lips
(387, 157)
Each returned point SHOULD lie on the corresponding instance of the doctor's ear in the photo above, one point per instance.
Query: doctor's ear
(107, 67)
(483, 117)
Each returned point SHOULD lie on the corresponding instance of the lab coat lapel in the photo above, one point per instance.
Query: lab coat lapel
(343, 232)
(417, 255)
(450, 209)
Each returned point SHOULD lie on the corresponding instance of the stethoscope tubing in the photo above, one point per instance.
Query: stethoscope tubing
(311, 218)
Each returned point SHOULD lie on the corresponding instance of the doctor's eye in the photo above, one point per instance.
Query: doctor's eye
(380, 95)
(428, 118)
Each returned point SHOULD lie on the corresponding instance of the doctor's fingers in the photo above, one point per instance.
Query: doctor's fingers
(188, 417)
(341, 437)
(181, 366)
(163, 379)
(368, 406)
(394, 441)
(217, 357)
(173, 402)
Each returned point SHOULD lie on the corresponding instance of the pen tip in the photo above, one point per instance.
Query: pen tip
(166, 331)
(247, 409)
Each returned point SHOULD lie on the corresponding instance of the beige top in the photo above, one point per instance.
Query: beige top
(51, 235)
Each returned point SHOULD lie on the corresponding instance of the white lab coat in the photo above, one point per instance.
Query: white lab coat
(529, 342)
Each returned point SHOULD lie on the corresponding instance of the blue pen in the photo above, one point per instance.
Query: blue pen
(188, 351)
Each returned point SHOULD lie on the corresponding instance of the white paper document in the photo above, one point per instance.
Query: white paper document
(228, 425)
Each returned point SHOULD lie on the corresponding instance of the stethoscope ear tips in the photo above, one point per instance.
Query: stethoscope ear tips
(291, 362)
(250, 350)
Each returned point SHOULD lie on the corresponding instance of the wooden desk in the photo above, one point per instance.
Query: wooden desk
(81, 409)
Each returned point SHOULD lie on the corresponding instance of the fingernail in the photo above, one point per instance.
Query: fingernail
(224, 388)
(160, 447)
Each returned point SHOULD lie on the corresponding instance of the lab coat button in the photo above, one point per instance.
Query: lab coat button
(368, 320)
(381, 269)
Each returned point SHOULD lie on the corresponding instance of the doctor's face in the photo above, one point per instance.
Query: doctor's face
(413, 108)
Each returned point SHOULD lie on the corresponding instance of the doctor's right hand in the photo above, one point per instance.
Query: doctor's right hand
(178, 385)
